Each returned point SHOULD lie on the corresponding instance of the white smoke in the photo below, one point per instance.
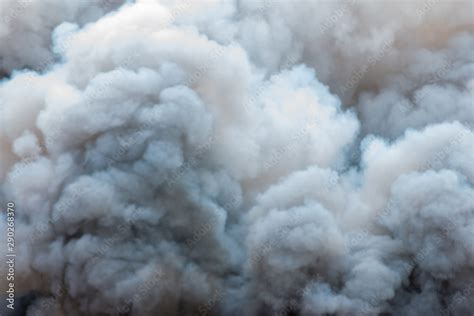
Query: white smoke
(27, 25)
(239, 157)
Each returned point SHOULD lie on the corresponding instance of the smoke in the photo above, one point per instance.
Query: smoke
(27, 25)
(239, 157)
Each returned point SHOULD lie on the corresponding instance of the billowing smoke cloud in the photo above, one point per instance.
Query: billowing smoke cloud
(27, 25)
(239, 158)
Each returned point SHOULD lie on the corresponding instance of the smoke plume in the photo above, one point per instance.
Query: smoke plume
(239, 157)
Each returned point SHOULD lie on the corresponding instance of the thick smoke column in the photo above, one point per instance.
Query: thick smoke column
(239, 157)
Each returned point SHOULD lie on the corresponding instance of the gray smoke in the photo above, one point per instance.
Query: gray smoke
(239, 157)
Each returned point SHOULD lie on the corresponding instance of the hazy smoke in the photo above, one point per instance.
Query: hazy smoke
(240, 158)
(26, 27)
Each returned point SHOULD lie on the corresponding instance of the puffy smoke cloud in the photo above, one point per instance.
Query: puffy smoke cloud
(239, 158)
(26, 29)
